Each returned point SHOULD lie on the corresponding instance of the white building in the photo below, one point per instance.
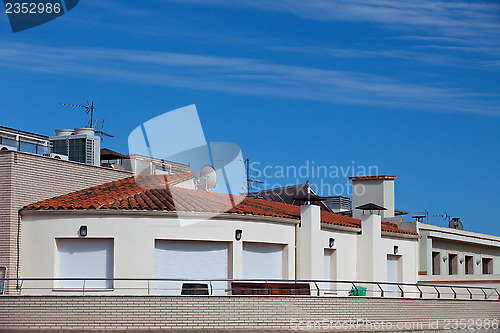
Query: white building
(161, 227)
(447, 256)
(16, 140)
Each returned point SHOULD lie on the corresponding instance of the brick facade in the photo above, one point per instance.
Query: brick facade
(27, 178)
(245, 312)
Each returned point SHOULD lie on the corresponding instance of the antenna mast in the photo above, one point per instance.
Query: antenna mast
(250, 180)
(89, 108)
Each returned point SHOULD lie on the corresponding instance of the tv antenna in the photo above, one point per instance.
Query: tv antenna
(420, 216)
(250, 176)
(89, 108)
(207, 178)
(445, 216)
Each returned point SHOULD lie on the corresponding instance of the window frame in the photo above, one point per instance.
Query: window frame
(452, 266)
(471, 256)
(489, 267)
(436, 266)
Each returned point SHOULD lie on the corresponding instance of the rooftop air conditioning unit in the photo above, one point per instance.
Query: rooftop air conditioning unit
(4, 147)
(57, 156)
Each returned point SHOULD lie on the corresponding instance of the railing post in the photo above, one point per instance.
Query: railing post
(485, 296)
(420, 290)
(355, 288)
(381, 290)
(211, 289)
(469, 292)
(401, 289)
(268, 288)
(454, 292)
(439, 294)
(148, 287)
(83, 290)
(317, 287)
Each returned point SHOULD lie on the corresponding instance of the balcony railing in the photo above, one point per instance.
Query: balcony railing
(26, 146)
(239, 287)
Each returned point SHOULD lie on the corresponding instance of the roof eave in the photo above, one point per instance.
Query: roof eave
(115, 212)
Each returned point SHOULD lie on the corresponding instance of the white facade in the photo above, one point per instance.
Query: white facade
(161, 245)
(136, 236)
(458, 257)
(147, 244)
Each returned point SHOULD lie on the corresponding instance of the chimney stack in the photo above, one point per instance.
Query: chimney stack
(378, 190)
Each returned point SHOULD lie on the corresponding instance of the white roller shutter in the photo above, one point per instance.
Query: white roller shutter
(329, 271)
(262, 261)
(189, 260)
(392, 276)
(327, 267)
(86, 258)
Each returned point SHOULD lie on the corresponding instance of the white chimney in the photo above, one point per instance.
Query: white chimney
(310, 250)
(378, 190)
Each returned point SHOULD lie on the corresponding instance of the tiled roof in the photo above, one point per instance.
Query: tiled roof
(392, 227)
(382, 177)
(157, 193)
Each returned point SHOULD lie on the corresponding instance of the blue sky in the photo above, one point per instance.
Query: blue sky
(411, 87)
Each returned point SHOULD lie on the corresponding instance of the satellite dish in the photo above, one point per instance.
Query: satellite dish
(455, 223)
(207, 178)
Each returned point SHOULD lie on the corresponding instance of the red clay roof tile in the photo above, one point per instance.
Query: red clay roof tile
(158, 193)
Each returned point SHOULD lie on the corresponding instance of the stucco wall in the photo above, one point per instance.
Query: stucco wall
(134, 238)
(134, 235)
(26, 178)
(461, 243)
(374, 249)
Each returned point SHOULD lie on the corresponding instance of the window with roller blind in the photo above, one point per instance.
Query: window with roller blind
(187, 259)
(85, 258)
(262, 261)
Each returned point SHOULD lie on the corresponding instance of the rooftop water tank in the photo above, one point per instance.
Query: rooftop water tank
(64, 132)
(84, 130)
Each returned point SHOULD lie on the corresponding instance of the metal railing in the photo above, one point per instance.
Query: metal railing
(236, 287)
(26, 146)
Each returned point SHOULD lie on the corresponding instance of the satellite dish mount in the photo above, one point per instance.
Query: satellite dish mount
(207, 178)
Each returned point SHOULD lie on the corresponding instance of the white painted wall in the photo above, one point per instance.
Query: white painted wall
(373, 249)
(134, 242)
(460, 242)
(358, 256)
(309, 248)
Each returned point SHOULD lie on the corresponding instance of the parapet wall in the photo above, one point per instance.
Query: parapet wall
(245, 312)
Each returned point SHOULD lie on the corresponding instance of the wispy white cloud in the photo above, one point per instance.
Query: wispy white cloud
(411, 56)
(243, 76)
(454, 18)
(444, 33)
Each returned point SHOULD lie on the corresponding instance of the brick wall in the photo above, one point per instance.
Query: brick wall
(27, 178)
(266, 313)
